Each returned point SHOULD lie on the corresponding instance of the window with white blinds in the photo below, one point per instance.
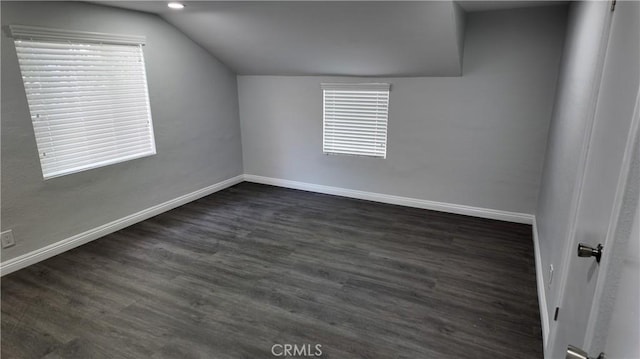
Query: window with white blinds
(355, 119)
(87, 95)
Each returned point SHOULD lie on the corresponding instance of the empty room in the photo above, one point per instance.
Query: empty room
(320, 179)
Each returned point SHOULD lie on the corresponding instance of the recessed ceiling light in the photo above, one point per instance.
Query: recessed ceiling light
(175, 5)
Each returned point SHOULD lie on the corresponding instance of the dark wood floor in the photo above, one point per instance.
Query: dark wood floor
(231, 274)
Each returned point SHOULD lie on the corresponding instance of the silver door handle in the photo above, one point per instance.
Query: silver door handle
(577, 353)
(586, 251)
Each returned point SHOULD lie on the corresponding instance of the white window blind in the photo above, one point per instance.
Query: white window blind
(355, 119)
(87, 95)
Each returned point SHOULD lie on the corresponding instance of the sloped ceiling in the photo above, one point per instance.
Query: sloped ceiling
(489, 5)
(360, 38)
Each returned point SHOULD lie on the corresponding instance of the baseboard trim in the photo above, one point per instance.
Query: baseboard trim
(64, 245)
(542, 295)
(403, 201)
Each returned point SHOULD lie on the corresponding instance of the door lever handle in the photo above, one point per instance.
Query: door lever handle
(586, 251)
(577, 353)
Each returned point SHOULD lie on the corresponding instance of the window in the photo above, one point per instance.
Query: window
(355, 119)
(87, 95)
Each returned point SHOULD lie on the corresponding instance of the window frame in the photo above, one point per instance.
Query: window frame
(84, 154)
(377, 113)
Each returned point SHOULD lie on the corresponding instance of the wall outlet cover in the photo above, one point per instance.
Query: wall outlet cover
(7, 240)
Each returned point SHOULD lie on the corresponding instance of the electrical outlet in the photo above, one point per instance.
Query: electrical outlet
(7, 240)
(550, 275)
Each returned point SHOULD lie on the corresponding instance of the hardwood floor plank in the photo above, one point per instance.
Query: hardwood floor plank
(233, 273)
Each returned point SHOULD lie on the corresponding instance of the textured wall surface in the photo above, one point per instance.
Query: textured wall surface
(475, 140)
(195, 114)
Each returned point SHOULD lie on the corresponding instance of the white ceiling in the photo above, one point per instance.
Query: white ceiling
(352, 38)
(481, 5)
(327, 38)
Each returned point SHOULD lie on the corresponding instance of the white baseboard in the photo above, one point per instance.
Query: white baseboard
(403, 201)
(51, 250)
(542, 295)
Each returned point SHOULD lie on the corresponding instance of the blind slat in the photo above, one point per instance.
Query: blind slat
(355, 115)
(67, 81)
(102, 149)
(355, 119)
(356, 140)
(72, 47)
(355, 127)
(37, 94)
(59, 79)
(362, 136)
(93, 132)
(79, 115)
(351, 144)
(88, 55)
(71, 105)
(82, 58)
(53, 73)
(42, 106)
(61, 147)
(90, 160)
(356, 131)
(363, 108)
(89, 103)
(61, 171)
(69, 88)
(357, 98)
(347, 146)
(354, 152)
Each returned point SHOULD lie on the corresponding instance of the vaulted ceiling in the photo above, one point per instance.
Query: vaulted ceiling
(328, 38)
(353, 38)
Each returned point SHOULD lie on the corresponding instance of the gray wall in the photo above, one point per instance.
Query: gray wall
(572, 116)
(476, 140)
(195, 113)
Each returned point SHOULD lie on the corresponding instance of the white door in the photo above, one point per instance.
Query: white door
(624, 325)
(599, 197)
